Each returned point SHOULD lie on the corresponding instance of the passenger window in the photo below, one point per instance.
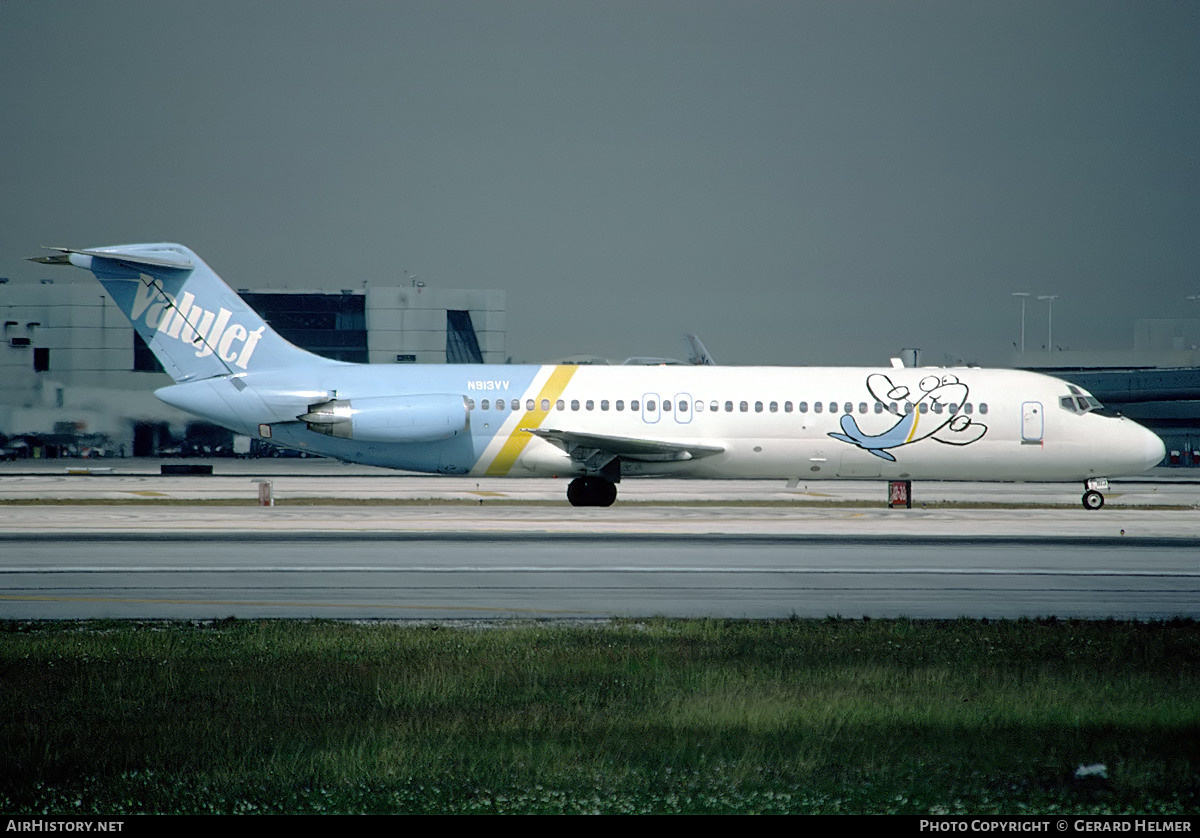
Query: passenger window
(729, 407)
(803, 407)
(699, 406)
(529, 404)
(589, 405)
(894, 408)
(983, 407)
(620, 404)
(651, 405)
(560, 405)
(848, 408)
(604, 404)
(485, 404)
(787, 407)
(516, 404)
(937, 407)
(833, 407)
(666, 404)
(758, 407)
(683, 406)
(500, 404)
(714, 406)
(574, 404)
(818, 407)
(862, 407)
(969, 408)
(924, 407)
(545, 404)
(744, 406)
(908, 408)
(879, 407)
(470, 404)
(633, 405)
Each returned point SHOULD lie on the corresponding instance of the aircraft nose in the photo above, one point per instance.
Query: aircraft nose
(1153, 448)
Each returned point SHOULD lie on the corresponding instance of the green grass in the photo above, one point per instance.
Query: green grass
(659, 716)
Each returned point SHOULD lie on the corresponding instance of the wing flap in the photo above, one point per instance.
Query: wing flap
(627, 448)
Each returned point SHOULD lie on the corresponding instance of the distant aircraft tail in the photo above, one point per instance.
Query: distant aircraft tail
(194, 323)
(697, 354)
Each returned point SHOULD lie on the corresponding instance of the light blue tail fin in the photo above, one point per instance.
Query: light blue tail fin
(194, 323)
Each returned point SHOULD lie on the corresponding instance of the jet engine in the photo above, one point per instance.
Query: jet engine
(390, 418)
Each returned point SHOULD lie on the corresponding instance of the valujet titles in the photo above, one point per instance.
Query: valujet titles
(181, 320)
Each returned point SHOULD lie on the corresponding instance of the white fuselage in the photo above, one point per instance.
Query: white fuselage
(768, 422)
(603, 423)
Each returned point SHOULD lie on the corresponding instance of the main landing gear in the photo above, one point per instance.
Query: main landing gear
(1092, 498)
(591, 491)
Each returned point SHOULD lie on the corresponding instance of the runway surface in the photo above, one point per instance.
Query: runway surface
(489, 575)
(514, 548)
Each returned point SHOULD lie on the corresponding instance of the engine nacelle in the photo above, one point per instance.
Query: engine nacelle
(390, 418)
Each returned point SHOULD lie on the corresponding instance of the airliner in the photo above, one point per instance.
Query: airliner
(600, 424)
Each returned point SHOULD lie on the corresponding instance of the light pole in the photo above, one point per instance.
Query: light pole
(1023, 295)
(1049, 298)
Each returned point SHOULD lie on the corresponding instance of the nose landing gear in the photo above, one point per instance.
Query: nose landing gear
(1092, 497)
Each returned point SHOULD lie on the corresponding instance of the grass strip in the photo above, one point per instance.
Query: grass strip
(795, 716)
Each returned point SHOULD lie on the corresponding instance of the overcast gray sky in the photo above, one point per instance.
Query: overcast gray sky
(798, 182)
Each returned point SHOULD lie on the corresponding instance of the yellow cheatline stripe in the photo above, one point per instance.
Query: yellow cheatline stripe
(916, 420)
(518, 439)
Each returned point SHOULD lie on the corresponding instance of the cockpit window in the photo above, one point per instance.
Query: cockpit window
(1079, 402)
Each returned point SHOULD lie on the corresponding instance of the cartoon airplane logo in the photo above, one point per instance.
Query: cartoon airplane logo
(937, 412)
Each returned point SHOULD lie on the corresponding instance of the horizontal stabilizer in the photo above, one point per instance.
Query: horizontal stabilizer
(153, 256)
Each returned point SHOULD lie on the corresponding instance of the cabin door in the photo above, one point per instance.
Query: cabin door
(1031, 423)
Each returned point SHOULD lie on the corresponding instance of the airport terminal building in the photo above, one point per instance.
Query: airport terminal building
(77, 380)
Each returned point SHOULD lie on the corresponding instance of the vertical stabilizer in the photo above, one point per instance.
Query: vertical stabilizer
(194, 323)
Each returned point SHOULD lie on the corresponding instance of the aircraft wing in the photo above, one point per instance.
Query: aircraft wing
(582, 446)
